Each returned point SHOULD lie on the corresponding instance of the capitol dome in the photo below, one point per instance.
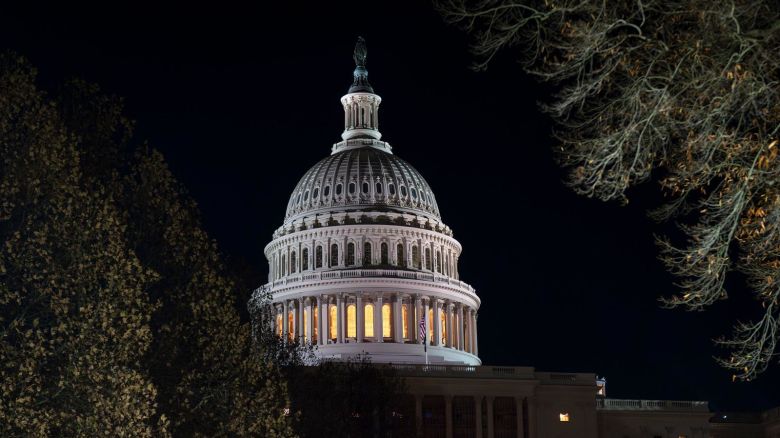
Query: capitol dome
(363, 263)
(362, 178)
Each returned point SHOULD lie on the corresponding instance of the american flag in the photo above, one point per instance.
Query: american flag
(423, 333)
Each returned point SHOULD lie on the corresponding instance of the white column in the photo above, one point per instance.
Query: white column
(340, 326)
(519, 409)
(309, 320)
(411, 323)
(461, 344)
(447, 415)
(437, 322)
(448, 321)
(359, 317)
(478, 415)
(398, 332)
(489, 402)
(378, 318)
(322, 305)
(285, 326)
(301, 321)
(427, 320)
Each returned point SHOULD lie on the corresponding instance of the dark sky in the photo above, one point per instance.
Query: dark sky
(243, 101)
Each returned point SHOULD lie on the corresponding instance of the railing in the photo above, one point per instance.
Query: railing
(365, 273)
(616, 404)
(469, 371)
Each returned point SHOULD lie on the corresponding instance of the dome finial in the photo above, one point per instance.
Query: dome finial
(360, 82)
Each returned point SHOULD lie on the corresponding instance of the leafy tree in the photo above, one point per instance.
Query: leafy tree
(212, 381)
(74, 313)
(350, 399)
(685, 91)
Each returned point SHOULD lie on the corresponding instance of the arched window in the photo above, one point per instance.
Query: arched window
(399, 255)
(428, 259)
(333, 321)
(304, 259)
(292, 262)
(315, 322)
(352, 188)
(416, 257)
(391, 189)
(350, 254)
(284, 265)
(351, 323)
(367, 254)
(414, 193)
(338, 189)
(403, 191)
(318, 257)
(405, 321)
(365, 188)
(368, 318)
(279, 326)
(378, 188)
(438, 262)
(334, 255)
(443, 320)
(386, 321)
(326, 191)
(315, 193)
(383, 253)
(306, 196)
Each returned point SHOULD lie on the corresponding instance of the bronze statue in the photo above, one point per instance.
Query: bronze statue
(360, 52)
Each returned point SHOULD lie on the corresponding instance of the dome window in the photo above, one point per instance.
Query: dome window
(422, 195)
(365, 187)
(306, 196)
(338, 189)
(403, 191)
(414, 193)
(378, 188)
(351, 188)
(316, 193)
(299, 199)
(391, 189)
(326, 191)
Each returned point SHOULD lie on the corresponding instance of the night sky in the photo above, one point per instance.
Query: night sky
(243, 101)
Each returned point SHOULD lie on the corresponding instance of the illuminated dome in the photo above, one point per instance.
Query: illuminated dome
(363, 259)
(362, 178)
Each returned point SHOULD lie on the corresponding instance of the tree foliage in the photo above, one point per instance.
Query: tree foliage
(117, 316)
(683, 91)
(74, 313)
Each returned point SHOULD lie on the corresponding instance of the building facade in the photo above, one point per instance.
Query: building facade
(364, 265)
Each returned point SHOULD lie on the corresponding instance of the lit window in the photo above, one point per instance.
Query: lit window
(279, 327)
(290, 324)
(386, 321)
(351, 331)
(368, 317)
(315, 323)
(333, 321)
(563, 417)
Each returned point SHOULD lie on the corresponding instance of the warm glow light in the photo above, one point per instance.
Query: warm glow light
(290, 324)
(564, 417)
(279, 321)
(315, 324)
(405, 321)
(351, 325)
(430, 325)
(386, 321)
(333, 321)
(368, 318)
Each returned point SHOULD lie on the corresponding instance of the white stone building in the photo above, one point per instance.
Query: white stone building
(364, 264)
